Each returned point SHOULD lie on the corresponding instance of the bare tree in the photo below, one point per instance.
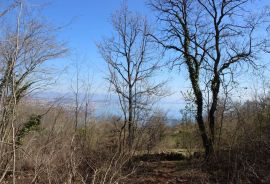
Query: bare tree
(131, 64)
(213, 36)
(25, 45)
(82, 89)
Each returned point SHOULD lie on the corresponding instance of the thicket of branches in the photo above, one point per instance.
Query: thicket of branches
(215, 41)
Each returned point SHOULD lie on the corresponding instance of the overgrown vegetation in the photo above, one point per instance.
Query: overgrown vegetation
(219, 138)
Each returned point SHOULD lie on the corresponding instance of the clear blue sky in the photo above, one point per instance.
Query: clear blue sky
(88, 21)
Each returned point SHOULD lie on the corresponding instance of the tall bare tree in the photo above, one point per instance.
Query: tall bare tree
(25, 44)
(213, 36)
(132, 63)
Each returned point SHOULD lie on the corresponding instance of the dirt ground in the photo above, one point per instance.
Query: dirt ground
(156, 172)
(167, 172)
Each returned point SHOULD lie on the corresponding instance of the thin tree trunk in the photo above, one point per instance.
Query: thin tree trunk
(130, 119)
